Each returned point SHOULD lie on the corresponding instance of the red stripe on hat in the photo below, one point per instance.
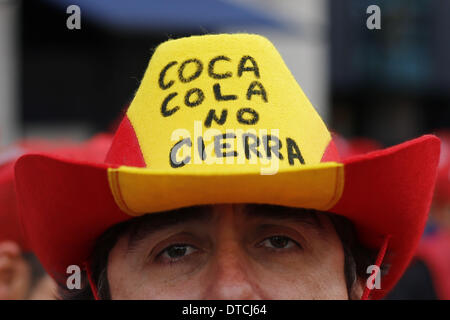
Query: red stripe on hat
(331, 153)
(125, 149)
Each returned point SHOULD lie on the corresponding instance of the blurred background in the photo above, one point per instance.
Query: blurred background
(373, 88)
(390, 84)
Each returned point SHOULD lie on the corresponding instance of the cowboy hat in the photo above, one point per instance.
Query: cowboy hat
(220, 119)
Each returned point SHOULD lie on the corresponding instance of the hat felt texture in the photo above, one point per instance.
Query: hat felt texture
(221, 119)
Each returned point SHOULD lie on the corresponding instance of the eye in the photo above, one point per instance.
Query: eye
(176, 252)
(278, 242)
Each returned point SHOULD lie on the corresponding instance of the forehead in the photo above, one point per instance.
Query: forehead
(247, 211)
(147, 224)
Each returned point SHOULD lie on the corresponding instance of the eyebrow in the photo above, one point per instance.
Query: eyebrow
(143, 226)
(274, 212)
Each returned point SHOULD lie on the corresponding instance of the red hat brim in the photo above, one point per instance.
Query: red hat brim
(93, 149)
(66, 205)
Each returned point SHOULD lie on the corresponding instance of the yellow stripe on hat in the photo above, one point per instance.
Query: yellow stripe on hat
(139, 191)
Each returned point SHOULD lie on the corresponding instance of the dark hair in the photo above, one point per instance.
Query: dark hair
(37, 272)
(356, 257)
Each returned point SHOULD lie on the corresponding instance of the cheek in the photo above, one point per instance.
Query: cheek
(316, 274)
(306, 280)
(122, 281)
(21, 281)
(183, 289)
(131, 279)
(143, 286)
(329, 268)
(329, 276)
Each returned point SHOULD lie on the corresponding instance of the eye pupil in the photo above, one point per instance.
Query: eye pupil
(176, 251)
(279, 242)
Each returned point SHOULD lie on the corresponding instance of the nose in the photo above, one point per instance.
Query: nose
(230, 278)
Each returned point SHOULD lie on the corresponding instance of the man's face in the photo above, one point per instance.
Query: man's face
(230, 252)
(15, 273)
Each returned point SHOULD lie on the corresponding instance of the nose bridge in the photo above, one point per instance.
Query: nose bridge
(230, 261)
(230, 274)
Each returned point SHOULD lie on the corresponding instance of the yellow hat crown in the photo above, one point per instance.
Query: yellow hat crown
(224, 100)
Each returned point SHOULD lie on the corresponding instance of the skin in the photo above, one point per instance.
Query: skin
(45, 289)
(15, 274)
(440, 215)
(15, 277)
(230, 254)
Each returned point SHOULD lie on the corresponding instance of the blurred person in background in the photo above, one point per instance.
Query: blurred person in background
(427, 276)
(440, 213)
(355, 146)
(21, 274)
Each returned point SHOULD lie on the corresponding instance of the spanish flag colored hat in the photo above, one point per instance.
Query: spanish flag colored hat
(220, 119)
(10, 228)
